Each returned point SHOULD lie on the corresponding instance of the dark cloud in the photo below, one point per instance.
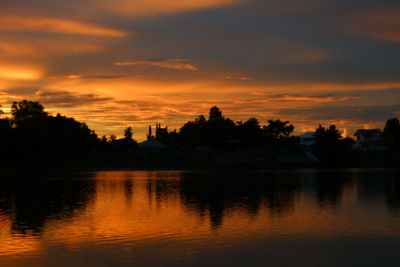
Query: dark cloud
(68, 99)
(360, 114)
(22, 91)
(176, 64)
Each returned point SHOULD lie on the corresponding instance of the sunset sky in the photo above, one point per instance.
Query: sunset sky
(119, 63)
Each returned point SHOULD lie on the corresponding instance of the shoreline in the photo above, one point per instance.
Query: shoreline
(256, 168)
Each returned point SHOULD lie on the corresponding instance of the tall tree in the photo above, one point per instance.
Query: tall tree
(128, 133)
(391, 133)
(215, 114)
(218, 128)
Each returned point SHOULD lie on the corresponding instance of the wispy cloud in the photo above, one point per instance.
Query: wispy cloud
(55, 25)
(239, 78)
(354, 114)
(160, 7)
(265, 96)
(68, 99)
(314, 99)
(176, 64)
(84, 77)
(34, 46)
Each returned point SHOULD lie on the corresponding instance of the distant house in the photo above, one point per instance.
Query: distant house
(151, 144)
(308, 139)
(366, 137)
(369, 140)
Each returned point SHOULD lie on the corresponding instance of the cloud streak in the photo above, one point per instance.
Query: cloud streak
(68, 99)
(16, 23)
(87, 77)
(176, 64)
(313, 99)
(160, 7)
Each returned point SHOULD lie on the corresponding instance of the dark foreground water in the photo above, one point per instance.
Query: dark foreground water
(140, 218)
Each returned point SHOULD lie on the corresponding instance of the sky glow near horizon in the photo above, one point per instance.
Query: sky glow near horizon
(120, 63)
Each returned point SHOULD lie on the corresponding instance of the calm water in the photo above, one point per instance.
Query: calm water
(160, 218)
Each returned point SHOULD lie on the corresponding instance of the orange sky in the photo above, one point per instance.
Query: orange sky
(124, 63)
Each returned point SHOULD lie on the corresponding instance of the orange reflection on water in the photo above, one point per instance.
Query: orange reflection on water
(16, 244)
(133, 210)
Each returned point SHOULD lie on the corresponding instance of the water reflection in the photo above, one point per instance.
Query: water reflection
(30, 201)
(329, 188)
(222, 193)
(190, 211)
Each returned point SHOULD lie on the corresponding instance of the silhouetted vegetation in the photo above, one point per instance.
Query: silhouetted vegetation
(32, 135)
(218, 132)
(331, 147)
(391, 134)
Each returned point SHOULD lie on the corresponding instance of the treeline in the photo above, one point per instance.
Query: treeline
(31, 134)
(217, 131)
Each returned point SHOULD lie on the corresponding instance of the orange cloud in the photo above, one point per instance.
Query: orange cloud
(157, 7)
(315, 99)
(36, 47)
(56, 25)
(176, 64)
(19, 73)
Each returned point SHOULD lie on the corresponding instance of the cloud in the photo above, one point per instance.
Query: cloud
(21, 91)
(176, 64)
(159, 7)
(34, 46)
(315, 99)
(68, 99)
(55, 25)
(354, 114)
(303, 98)
(380, 24)
(19, 73)
(239, 78)
(85, 77)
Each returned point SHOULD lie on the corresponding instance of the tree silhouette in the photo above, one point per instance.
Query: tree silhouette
(38, 136)
(391, 134)
(215, 114)
(218, 128)
(128, 133)
(249, 132)
(330, 147)
(277, 129)
(219, 132)
(193, 133)
(6, 138)
(26, 112)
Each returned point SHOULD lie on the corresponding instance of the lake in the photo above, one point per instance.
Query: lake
(208, 218)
